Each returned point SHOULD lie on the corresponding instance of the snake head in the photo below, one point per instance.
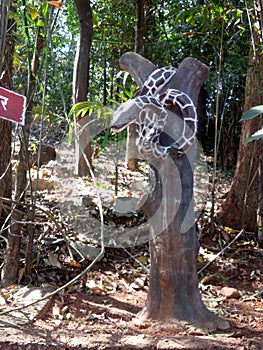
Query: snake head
(125, 115)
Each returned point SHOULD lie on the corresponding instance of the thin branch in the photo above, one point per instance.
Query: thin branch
(56, 291)
(133, 257)
(221, 252)
(216, 128)
(97, 258)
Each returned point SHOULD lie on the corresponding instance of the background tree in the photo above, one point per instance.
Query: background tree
(11, 260)
(4, 15)
(131, 152)
(81, 80)
(7, 43)
(113, 34)
(260, 199)
(259, 12)
(241, 205)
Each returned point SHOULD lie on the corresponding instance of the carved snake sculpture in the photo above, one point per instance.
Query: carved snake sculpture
(151, 120)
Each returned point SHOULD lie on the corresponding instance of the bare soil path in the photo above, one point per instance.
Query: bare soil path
(99, 310)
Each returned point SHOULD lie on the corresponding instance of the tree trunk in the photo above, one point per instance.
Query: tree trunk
(140, 26)
(5, 169)
(4, 11)
(259, 11)
(6, 57)
(81, 82)
(6, 137)
(229, 133)
(241, 205)
(173, 290)
(131, 152)
(12, 255)
(260, 199)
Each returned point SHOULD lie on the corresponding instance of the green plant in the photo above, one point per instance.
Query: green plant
(250, 114)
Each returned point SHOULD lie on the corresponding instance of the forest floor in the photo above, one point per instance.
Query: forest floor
(99, 309)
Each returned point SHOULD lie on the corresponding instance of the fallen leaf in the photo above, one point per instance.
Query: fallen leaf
(56, 311)
(229, 229)
(75, 264)
(2, 302)
(20, 274)
(57, 4)
(95, 288)
(137, 284)
(230, 293)
(143, 259)
(53, 259)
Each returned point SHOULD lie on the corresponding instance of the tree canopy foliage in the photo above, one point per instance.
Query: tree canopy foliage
(216, 32)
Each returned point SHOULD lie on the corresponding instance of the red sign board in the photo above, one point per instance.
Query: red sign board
(12, 106)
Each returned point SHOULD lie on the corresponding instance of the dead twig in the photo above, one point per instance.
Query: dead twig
(98, 257)
(56, 291)
(221, 252)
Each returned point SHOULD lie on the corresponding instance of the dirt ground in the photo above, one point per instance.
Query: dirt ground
(99, 310)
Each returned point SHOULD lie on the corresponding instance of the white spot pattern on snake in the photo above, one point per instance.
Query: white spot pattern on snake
(153, 115)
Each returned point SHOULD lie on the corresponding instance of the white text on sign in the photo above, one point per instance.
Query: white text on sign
(4, 101)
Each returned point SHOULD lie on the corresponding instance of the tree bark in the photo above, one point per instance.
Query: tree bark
(140, 26)
(5, 169)
(259, 10)
(260, 199)
(4, 11)
(131, 153)
(241, 205)
(6, 137)
(173, 290)
(81, 82)
(6, 55)
(12, 254)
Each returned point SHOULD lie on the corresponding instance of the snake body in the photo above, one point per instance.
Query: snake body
(151, 116)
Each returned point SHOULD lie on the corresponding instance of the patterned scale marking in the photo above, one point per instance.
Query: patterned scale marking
(175, 97)
(157, 80)
(151, 124)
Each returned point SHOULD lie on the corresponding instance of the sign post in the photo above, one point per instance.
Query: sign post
(12, 106)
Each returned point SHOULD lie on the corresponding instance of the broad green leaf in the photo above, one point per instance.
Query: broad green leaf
(229, 229)
(101, 185)
(33, 12)
(122, 96)
(258, 135)
(40, 23)
(44, 8)
(128, 93)
(252, 112)
(84, 107)
(83, 112)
